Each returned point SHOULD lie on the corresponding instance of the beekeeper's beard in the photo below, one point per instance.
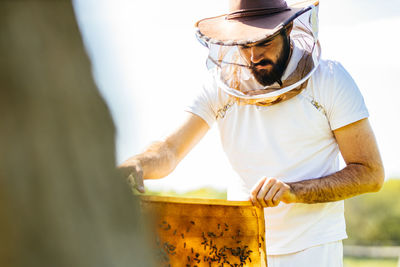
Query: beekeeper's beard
(268, 77)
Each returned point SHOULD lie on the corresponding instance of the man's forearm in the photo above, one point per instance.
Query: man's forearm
(364, 173)
(353, 180)
(157, 161)
(162, 157)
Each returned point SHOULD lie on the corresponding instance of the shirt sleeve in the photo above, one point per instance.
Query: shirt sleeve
(204, 102)
(344, 103)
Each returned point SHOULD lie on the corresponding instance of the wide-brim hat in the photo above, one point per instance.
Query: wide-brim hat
(249, 21)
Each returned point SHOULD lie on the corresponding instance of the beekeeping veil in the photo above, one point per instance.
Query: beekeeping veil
(255, 23)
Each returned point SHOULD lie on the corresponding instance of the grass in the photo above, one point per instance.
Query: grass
(366, 262)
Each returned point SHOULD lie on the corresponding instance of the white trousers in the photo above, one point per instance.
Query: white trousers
(326, 255)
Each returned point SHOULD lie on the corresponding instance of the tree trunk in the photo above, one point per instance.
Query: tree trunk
(61, 201)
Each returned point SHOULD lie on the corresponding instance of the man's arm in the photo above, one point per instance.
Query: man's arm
(364, 173)
(161, 157)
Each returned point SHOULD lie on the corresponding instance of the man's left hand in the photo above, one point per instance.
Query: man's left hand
(269, 192)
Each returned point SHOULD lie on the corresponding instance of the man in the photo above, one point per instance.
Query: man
(284, 116)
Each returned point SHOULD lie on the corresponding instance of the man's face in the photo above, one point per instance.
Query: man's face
(268, 60)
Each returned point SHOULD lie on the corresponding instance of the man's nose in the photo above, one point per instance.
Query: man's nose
(255, 54)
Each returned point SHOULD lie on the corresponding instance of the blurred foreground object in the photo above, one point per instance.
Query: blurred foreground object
(61, 200)
(206, 232)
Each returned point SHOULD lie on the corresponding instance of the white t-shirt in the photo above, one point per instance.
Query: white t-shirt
(291, 141)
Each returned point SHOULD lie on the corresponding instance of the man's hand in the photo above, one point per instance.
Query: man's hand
(133, 172)
(161, 157)
(269, 192)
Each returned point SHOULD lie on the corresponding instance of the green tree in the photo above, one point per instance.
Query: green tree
(374, 219)
(206, 192)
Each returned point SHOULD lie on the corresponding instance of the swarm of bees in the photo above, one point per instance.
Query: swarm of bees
(211, 250)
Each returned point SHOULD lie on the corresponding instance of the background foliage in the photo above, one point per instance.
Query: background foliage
(374, 219)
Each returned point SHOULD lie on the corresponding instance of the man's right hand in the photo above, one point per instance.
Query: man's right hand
(161, 157)
(133, 172)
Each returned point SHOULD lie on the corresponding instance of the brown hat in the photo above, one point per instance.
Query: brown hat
(250, 21)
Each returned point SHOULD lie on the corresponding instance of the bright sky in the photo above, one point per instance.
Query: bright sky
(147, 64)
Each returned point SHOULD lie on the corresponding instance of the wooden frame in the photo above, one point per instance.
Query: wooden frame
(206, 232)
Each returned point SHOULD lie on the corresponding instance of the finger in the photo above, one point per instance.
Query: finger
(136, 181)
(269, 197)
(278, 196)
(254, 192)
(264, 191)
(138, 175)
(285, 195)
(139, 183)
